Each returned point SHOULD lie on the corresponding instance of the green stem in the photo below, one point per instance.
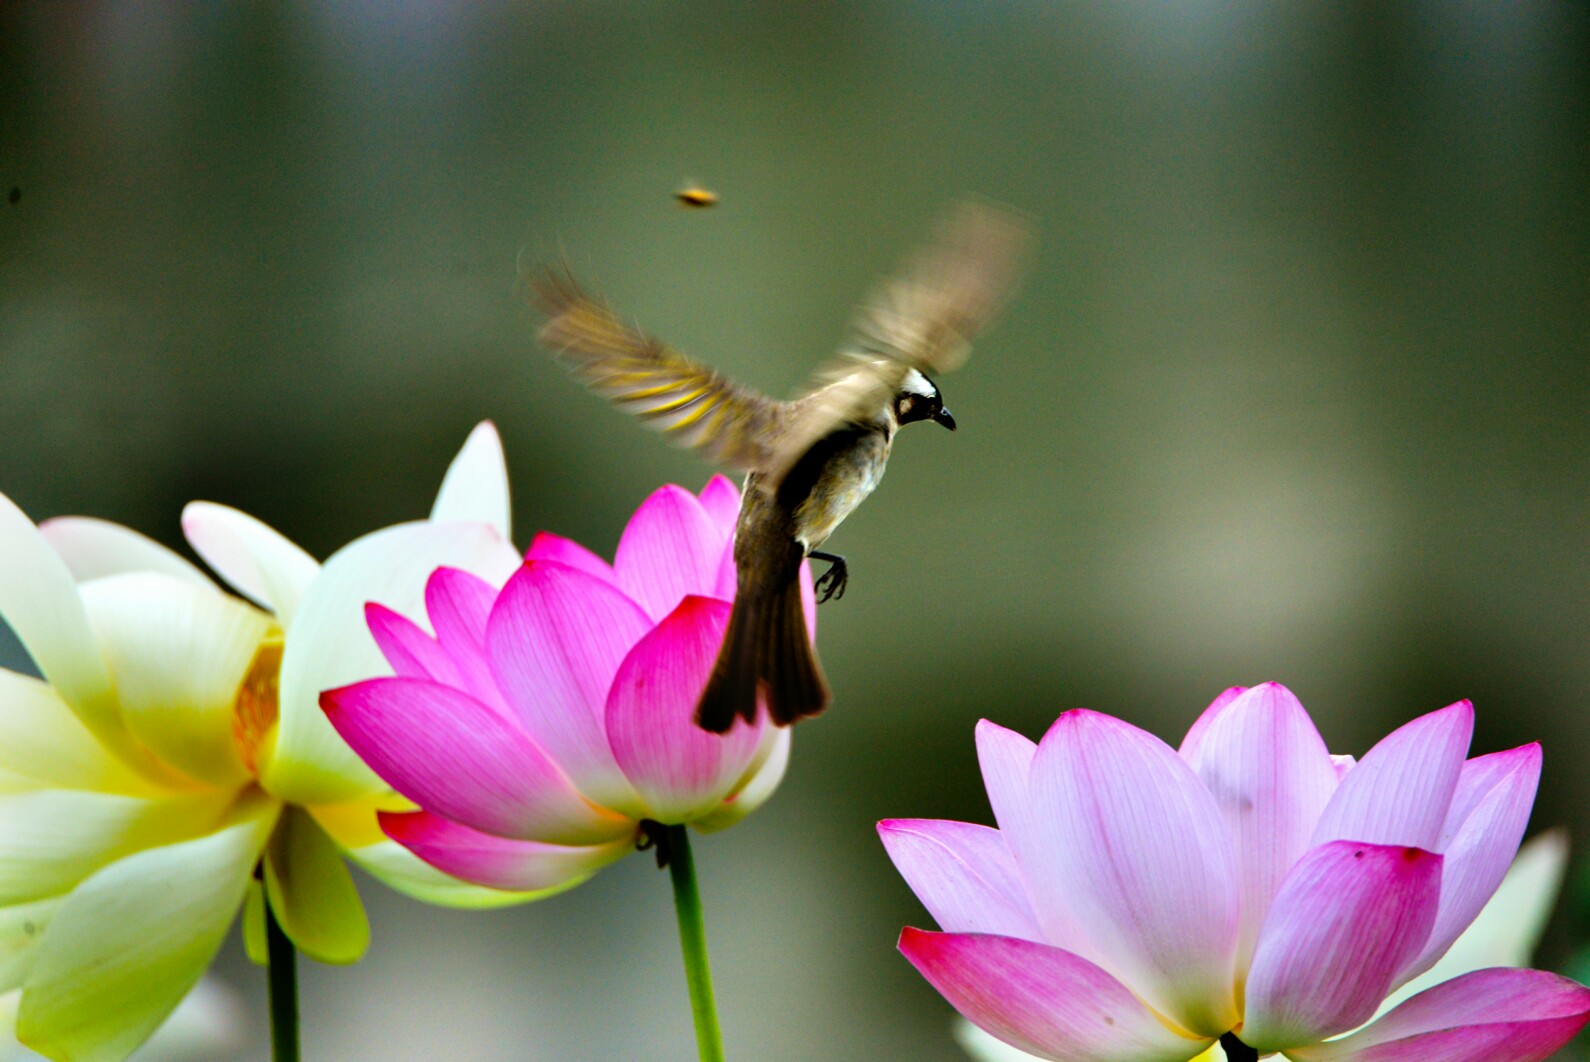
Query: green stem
(283, 972)
(693, 942)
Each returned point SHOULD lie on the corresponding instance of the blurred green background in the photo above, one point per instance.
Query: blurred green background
(1296, 389)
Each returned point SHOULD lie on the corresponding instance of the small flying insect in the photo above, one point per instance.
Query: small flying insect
(696, 197)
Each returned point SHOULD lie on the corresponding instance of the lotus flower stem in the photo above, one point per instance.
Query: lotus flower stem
(283, 991)
(693, 943)
(1236, 1050)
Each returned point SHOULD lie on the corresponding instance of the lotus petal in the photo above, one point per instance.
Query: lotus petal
(1045, 1001)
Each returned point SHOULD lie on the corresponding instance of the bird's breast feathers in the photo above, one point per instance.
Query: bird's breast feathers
(847, 477)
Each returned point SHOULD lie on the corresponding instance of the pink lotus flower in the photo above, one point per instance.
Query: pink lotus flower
(539, 726)
(1139, 903)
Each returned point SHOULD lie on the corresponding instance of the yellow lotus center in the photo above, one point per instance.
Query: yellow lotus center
(255, 713)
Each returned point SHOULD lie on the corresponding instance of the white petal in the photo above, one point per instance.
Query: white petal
(93, 549)
(329, 645)
(42, 744)
(178, 653)
(39, 600)
(256, 559)
(52, 839)
(130, 943)
(22, 928)
(475, 488)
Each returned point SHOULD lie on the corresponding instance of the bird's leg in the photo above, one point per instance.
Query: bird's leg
(834, 580)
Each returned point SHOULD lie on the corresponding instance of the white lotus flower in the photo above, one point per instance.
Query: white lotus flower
(174, 762)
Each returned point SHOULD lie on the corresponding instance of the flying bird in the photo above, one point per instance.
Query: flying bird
(810, 460)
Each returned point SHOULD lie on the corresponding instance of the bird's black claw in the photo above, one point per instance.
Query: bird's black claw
(831, 584)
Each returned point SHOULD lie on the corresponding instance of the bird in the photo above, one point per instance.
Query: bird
(811, 460)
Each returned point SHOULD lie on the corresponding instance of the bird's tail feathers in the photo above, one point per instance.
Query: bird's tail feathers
(766, 646)
(731, 691)
(795, 684)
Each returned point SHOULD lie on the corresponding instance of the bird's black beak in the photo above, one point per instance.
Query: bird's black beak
(943, 417)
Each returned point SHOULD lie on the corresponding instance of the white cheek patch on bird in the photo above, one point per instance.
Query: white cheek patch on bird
(812, 459)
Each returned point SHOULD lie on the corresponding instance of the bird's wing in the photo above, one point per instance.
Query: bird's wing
(690, 403)
(923, 319)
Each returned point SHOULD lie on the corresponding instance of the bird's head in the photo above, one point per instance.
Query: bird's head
(919, 399)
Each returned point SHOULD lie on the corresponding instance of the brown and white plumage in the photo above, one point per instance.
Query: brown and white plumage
(812, 459)
(692, 404)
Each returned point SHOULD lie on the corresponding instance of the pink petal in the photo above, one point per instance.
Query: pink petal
(963, 874)
(1130, 841)
(547, 546)
(1348, 917)
(1477, 857)
(555, 640)
(1043, 1000)
(1216, 708)
(1516, 1015)
(1006, 760)
(1267, 767)
(679, 770)
(497, 862)
(458, 604)
(1399, 793)
(756, 786)
(670, 548)
(459, 607)
(728, 581)
(1478, 778)
(450, 754)
(411, 652)
(721, 500)
(329, 645)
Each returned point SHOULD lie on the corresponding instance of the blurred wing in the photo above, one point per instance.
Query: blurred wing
(691, 404)
(924, 319)
(927, 317)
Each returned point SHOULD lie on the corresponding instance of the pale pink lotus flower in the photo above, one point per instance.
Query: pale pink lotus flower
(1137, 903)
(538, 727)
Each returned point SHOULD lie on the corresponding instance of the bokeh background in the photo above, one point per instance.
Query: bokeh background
(1296, 389)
